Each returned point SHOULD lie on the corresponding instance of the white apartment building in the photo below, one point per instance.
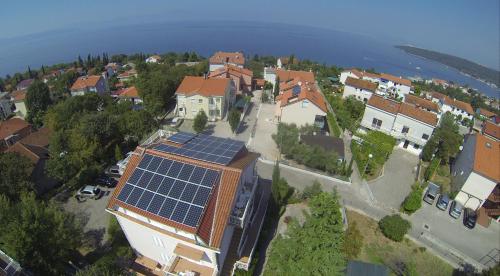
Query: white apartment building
(220, 59)
(454, 106)
(191, 204)
(360, 89)
(388, 85)
(411, 126)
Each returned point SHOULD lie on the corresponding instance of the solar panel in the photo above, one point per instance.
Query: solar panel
(296, 90)
(181, 137)
(170, 189)
(205, 147)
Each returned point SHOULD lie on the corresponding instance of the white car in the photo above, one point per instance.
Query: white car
(177, 121)
(88, 192)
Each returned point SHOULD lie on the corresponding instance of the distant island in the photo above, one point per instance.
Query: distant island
(467, 67)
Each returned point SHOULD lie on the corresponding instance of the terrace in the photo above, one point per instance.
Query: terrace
(244, 204)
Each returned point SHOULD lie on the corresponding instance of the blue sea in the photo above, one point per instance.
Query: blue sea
(323, 45)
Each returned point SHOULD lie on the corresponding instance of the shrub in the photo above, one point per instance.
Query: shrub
(431, 169)
(312, 190)
(234, 119)
(353, 241)
(394, 227)
(200, 121)
(413, 201)
(333, 125)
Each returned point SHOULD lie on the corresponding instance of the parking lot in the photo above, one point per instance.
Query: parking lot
(93, 215)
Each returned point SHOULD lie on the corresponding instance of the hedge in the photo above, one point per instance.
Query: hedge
(332, 123)
(431, 169)
(394, 227)
(413, 201)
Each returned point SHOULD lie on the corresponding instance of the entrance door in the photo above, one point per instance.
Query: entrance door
(405, 145)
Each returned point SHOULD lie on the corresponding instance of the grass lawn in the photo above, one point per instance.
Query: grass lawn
(442, 178)
(379, 249)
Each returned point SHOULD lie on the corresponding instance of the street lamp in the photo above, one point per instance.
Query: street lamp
(366, 166)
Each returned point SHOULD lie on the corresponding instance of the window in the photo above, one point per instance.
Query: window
(193, 101)
(304, 103)
(425, 136)
(376, 123)
(200, 101)
(415, 146)
(218, 100)
(405, 129)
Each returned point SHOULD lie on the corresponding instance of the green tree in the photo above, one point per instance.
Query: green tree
(15, 172)
(234, 119)
(446, 140)
(353, 241)
(394, 227)
(118, 153)
(37, 101)
(200, 121)
(318, 241)
(312, 190)
(39, 235)
(413, 201)
(277, 87)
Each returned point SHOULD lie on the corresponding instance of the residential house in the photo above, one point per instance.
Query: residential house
(128, 94)
(423, 104)
(127, 75)
(259, 83)
(18, 97)
(188, 63)
(13, 130)
(5, 106)
(454, 106)
(300, 103)
(24, 84)
(389, 85)
(241, 77)
(476, 176)
(485, 114)
(283, 62)
(351, 73)
(440, 82)
(112, 68)
(327, 143)
(270, 75)
(220, 59)
(89, 84)
(360, 89)
(411, 126)
(191, 204)
(286, 75)
(214, 96)
(491, 130)
(35, 147)
(153, 59)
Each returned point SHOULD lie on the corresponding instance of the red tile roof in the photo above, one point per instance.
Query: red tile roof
(487, 158)
(453, 102)
(18, 95)
(12, 126)
(216, 215)
(231, 70)
(361, 84)
(130, 92)
(286, 75)
(395, 107)
(492, 130)
(227, 57)
(396, 79)
(85, 81)
(40, 138)
(486, 113)
(422, 103)
(33, 153)
(201, 86)
(308, 91)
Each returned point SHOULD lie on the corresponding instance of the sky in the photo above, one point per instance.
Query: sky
(469, 29)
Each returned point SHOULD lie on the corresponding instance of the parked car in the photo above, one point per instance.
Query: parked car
(176, 122)
(88, 192)
(431, 193)
(113, 171)
(470, 218)
(456, 209)
(106, 181)
(443, 202)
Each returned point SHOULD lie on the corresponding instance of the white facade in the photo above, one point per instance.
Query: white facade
(358, 93)
(475, 191)
(100, 88)
(345, 74)
(189, 106)
(270, 75)
(411, 134)
(153, 59)
(455, 111)
(300, 113)
(215, 66)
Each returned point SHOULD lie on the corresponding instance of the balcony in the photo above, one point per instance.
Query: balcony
(212, 106)
(243, 205)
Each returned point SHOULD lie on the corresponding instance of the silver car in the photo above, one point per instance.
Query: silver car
(431, 193)
(456, 209)
(88, 192)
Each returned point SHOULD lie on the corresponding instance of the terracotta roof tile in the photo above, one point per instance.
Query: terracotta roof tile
(486, 113)
(418, 114)
(205, 87)
(227, 57)
(462, 106)
(384, 104)
(33, 153)
(231, 70)
(286, 75)
(12, 126)
(130, 92)
(362, 84)
(396, 79)
(308, 91)
(420, 102)
(85, 81)
(40, 138)
(492, 130)
(18, 95)
(487, 158)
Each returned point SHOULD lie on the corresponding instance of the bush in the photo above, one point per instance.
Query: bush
(353, 241)
(394, 227)
(234, 119)
(333, 125)
(413, 201)
(200, 121)
(312, 190)
(431, 169)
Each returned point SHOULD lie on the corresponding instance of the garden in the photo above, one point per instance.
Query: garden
(371, 152)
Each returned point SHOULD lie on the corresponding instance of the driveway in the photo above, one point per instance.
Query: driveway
(93, 214)
(394, 185)
(262, 141)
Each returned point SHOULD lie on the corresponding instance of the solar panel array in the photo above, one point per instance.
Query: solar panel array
(169, 189)
(296, 90)
(206, 148)
(181, 137)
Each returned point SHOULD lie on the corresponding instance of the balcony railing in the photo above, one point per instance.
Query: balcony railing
(243, 204)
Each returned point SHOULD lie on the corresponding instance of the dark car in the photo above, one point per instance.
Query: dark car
(431, 193)
(443, 202)
(113, 171)
(106, 181)
(470, 218)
